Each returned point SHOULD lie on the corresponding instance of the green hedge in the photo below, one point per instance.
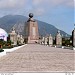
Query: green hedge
(1, 50)
(6, 47)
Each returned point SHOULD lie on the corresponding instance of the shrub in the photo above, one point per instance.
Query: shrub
(1, 50)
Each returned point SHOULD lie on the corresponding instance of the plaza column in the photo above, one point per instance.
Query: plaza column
(73, 38)
(50, 40)
(58, 39)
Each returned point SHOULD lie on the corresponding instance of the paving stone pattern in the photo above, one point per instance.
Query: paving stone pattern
(38, 58)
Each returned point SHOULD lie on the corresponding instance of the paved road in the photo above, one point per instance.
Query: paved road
(38, 58)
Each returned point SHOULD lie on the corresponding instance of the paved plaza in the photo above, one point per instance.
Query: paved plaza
(38, 58)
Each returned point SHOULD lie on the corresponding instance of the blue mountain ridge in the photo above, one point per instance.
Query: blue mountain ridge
(18, 21)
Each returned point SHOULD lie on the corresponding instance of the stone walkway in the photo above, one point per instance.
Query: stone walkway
(38, 58)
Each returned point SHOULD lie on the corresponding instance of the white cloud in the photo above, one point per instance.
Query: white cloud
(37, 2)
(38, 11)
(47, 5)
(6, 4)
(70, 3)
(53, 2)
(38, 7)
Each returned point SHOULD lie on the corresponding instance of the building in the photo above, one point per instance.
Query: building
(3, 34)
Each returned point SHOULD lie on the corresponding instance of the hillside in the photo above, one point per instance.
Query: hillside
(18, 21)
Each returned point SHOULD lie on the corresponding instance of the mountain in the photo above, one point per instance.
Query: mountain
(7, 22)
(18, 21)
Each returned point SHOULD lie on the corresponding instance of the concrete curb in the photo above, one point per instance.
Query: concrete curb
(10, 50)
(2, 54)
(13, 49)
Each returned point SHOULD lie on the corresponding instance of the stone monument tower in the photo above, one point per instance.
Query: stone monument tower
(13, 36)
(73, 37)
(31, 30)
(58, 39)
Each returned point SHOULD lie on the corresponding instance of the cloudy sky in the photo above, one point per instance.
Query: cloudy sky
(60, 13)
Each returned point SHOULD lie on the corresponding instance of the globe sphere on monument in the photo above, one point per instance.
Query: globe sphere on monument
(30, 15)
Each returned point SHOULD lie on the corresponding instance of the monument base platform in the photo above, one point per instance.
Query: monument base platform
(32, 41)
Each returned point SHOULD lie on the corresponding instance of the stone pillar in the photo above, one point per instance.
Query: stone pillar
(31, 30)
(50, 40)
(22, 40)
(45, 40)
(40, 41)
(58, 39)
(13, 37)
(18, 38)
(73, 38)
